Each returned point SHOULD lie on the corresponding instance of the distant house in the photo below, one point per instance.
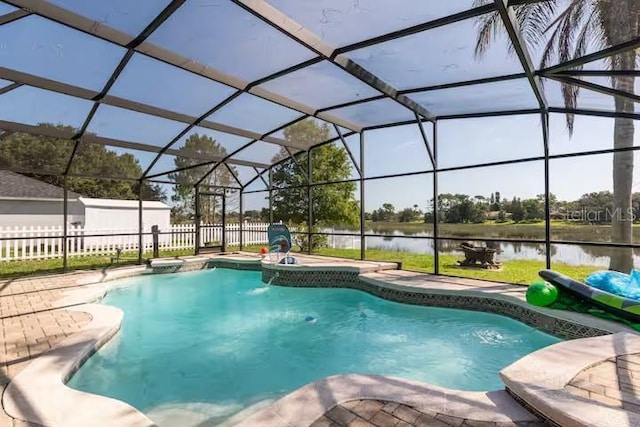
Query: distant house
(28, 202)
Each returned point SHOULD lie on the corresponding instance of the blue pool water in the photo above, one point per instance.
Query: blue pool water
(218, 341)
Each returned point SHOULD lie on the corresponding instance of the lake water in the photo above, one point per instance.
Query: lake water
(407, 242)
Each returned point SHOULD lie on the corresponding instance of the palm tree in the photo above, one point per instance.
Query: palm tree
(574, 26)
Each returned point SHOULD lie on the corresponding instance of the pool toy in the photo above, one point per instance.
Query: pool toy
(542, 294)
(280, 242)
(623, 307)
(624, 285)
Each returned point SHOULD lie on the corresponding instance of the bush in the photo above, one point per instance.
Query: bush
(318, 241)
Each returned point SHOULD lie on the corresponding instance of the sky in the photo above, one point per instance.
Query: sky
(220, 35)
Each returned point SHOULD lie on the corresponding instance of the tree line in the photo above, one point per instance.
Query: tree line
(590, 208)
(21, 151)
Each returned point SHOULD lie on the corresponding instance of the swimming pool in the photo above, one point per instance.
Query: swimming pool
(207, 344)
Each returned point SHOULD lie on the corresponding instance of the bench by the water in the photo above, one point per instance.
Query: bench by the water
(478, 256)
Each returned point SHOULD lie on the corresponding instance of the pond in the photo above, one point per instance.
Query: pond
(397, 240)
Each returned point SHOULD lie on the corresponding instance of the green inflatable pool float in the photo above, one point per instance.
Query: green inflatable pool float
(542, 294)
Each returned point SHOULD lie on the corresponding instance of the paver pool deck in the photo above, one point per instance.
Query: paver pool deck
(597, 377)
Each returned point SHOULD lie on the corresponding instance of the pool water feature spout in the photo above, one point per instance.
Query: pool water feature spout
(275, 276)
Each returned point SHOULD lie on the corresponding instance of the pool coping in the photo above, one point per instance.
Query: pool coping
(541, 384)
(46, 375)
(39, 393)
(308, 403)
(605, 325)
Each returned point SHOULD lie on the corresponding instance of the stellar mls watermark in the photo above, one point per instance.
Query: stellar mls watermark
(598, 215)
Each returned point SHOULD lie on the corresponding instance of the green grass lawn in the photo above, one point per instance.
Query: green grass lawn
(51, 266)
(518, 271)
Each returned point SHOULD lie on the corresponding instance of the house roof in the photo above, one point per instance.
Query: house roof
(20, 187)
(116, 203)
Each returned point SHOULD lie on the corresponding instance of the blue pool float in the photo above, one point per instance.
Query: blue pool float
(624, 285)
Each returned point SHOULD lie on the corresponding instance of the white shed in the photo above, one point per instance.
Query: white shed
(111, 216)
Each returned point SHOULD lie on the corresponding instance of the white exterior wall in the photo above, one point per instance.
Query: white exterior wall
(37, 213)
(120, 219)
(101, 218)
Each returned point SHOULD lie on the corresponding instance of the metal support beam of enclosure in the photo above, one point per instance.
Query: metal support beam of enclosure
(140, 223)
(432, 158)
(346, 147)
(436, 256)
(363, 245)
(65, 221)
(547, 190)
(197, 219)
(224, 222)
(512, 27)
(309, 201)
(241, 223)
(271, 195)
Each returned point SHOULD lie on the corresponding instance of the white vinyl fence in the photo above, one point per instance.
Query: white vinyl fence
(25, 243)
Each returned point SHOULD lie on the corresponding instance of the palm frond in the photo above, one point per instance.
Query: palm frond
(489, 25)
(549, 51)
(570, 96)
(534, 20)
(478, 3)
(571, 32)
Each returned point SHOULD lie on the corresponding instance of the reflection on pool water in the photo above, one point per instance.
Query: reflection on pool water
(208, 344)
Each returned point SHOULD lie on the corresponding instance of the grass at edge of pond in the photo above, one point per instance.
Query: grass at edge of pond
(522, 272)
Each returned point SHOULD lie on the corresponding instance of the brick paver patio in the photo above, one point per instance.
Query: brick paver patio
(31, 324)
(615, 382)
(377, 413)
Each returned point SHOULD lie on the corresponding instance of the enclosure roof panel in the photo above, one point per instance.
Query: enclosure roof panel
(321, 85)
(142, 77)
(127, 16)
(159, 84)
(222, 35)
(42, 47)
(446, 54)
(341, 23)
(5, 9)
(506, 95)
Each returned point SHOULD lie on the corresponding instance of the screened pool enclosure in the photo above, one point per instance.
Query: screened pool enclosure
(375, 129)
